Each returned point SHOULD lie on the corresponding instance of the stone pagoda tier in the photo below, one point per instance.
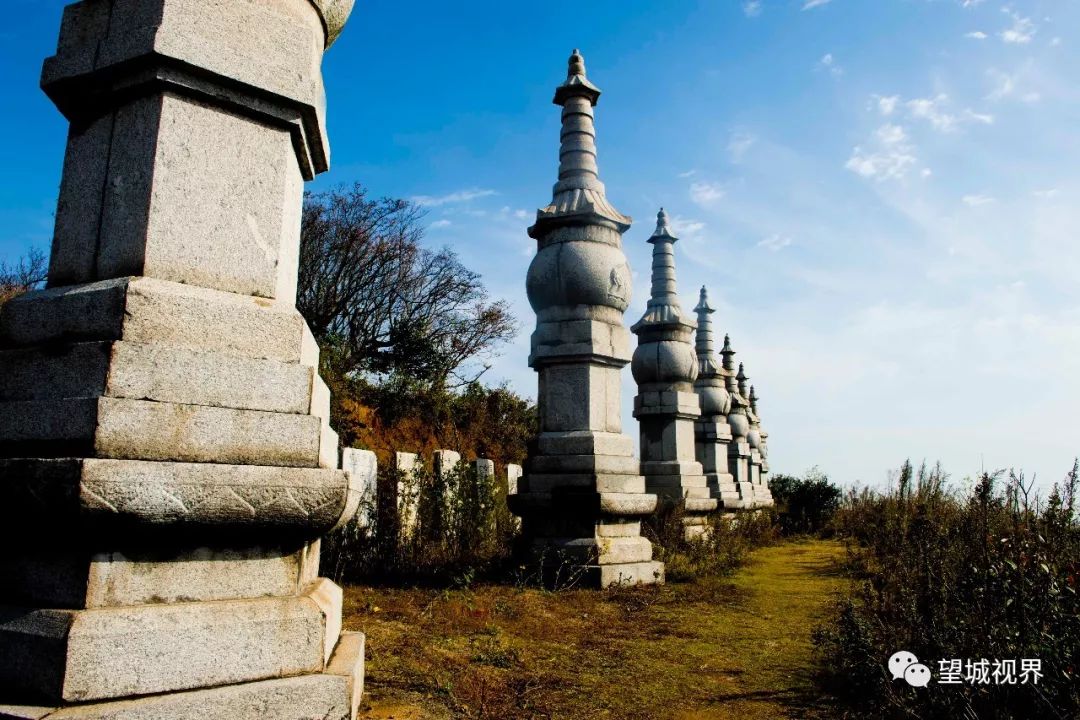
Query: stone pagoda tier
(666, 407)
(739, 453)
(165, 455)
(582, 497)
(712, 435)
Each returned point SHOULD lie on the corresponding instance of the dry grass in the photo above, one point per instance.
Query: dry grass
(704, 650)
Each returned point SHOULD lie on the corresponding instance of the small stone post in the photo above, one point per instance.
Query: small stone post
(666, 407)
(739, 449)
(712, 435)
(407, 465)
(443, 466)
(582, 496)
(164, 435)
(363, 467)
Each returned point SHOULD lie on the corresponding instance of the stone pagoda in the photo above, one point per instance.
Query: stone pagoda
(739, 422)
(759, 466)
(166, 460)
(712, 435)
(582, 496)
(666, 407)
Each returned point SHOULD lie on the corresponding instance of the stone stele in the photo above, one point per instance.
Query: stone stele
(167, 465)
(582, 494)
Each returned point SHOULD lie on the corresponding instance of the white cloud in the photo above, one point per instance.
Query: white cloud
(976, 35)
(1006, 86)
(828, 62)
(930, 109)
(890, 159)
(454, 198)
(887, 104)
(1021, 31)
(977, 200)
(970, 3)
(1047, 193)
(521, 214)
(811, 4)
(752, 8)
(926, 172)
(775, 242)
(890, 134)
(706, 193)
(440, 224)
(739, 143)
(1055, 42)
(688, 173)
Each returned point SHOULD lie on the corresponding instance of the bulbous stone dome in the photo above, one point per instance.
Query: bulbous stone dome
(578, 273)
(754, 438)
(715, 399)
(665, 361)
(740, 425)
(334, 14)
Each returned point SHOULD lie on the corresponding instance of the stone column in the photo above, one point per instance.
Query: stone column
(665, 368)
(757, 437)
(712, 435)
(739, 449)
(165, 458)
(582, 495)
(408, 469)
(363, 467)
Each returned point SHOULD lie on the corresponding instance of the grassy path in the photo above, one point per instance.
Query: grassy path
(713, 649)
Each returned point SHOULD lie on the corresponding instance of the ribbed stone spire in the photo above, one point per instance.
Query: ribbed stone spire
(579, 190)
(663, 304)
(753, 399)
(728, 356)
(707, 363)
(742, 377)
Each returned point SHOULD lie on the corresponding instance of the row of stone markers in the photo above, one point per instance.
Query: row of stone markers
(702, 449)
(443, 464)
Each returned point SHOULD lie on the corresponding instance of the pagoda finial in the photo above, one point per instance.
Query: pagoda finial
(728, 355)
(663, 304)
(742, 377)
(753, 399)
(707, 366)
(579, 190)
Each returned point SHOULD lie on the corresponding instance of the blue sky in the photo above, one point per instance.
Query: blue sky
(882, 195)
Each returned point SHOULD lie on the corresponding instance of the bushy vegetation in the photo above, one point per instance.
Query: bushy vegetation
(27, 274)
(723, 547)
(990, 573)
(444, 529)
(805, 505)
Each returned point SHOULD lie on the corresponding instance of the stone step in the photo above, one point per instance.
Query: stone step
(591, 463)
(144, 430)
(141, 371)
(148, 310)
(333, 694)
(585, 442)
(573, 502)
(601, 482)
(101, 494)
(62, 656)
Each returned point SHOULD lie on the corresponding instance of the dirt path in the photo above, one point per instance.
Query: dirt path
(713, 649)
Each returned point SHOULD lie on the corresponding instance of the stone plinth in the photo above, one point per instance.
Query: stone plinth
(582, 493)
(665, 367)
(160, 400)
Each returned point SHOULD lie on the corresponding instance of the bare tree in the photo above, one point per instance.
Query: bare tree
(381, 303)
(29, 273)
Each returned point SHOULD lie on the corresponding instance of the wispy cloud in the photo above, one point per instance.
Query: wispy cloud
(440, 224)
(707, 193)
(1021, 31)
(977, 200)
(775, 242)
(752, 8)
(1007, 86)
(454, 198)
(828, 62)
(739, 143)
(688, 173)
(976, 35)
(890, 157)
(811, 4)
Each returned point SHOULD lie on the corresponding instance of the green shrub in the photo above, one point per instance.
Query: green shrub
(720, 550)
(805, 505)
(946, 575)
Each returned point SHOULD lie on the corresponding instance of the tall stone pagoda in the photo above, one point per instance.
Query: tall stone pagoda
(759, 465)
(582, 496)
(666, 407)
(166, 461)
(712, 435)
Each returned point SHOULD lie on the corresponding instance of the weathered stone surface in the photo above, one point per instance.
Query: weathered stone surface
(147, 310)
(84, 655)
(362, 465)
(142, 430)
(601, 482)
(331, 695)
(141, 371)
(643, 573)
(334, 13)
(329, 448)
(80, 577)
(513, 475)
(328, 597)
(584, 443)
(104, 492)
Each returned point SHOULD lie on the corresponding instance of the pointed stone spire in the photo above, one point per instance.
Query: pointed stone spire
(664, 306)
(707, 362)
(742, 377)
(579, 190)
(753, 399)
(728, 363)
